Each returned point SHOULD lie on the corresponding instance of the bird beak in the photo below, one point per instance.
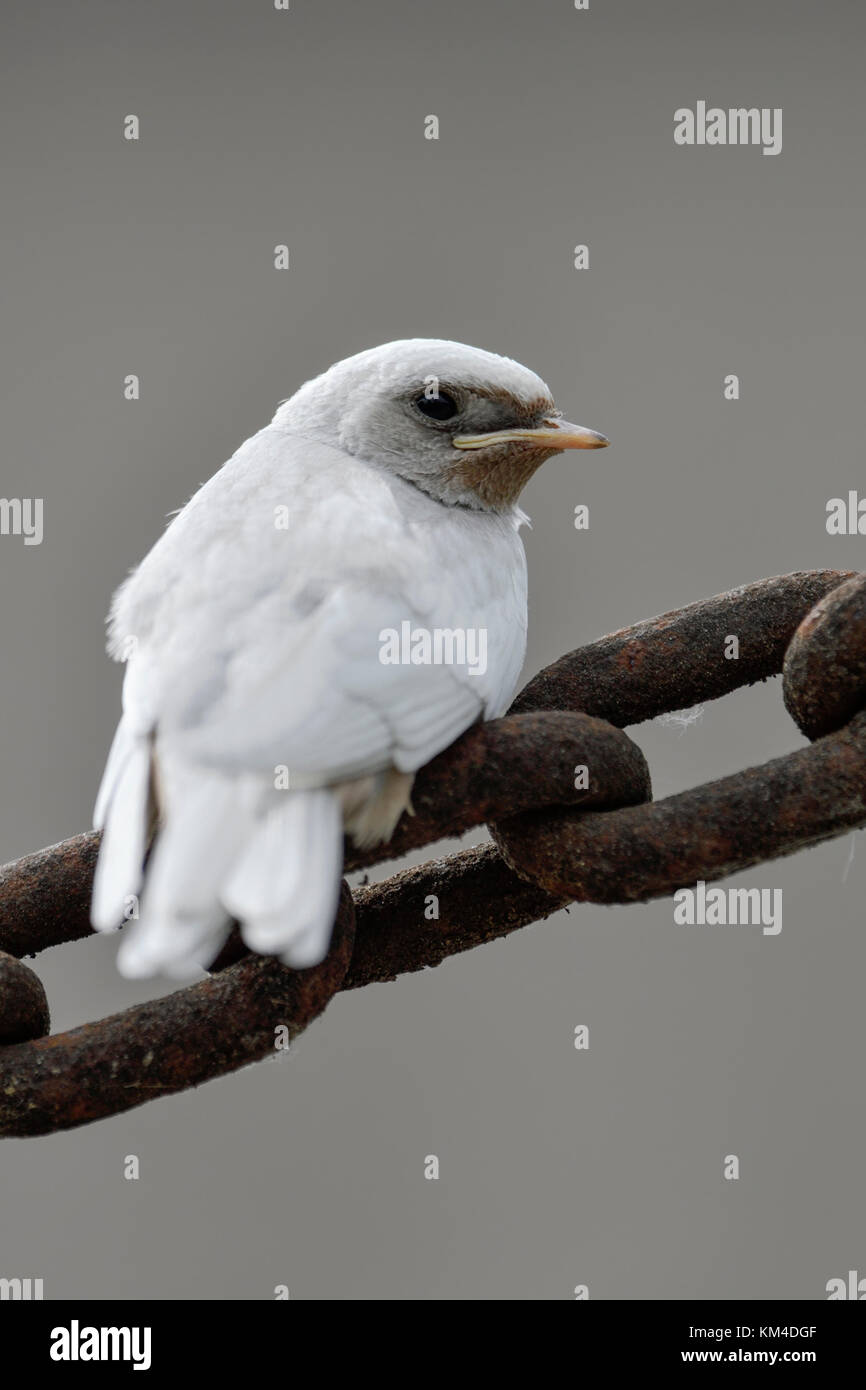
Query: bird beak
(553, 434)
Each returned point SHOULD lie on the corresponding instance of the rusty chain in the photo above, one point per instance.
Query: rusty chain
(552, 844)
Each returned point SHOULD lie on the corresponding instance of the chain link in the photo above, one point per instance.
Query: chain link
(555, 840)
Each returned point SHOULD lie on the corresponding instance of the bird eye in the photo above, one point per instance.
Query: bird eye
(441, 407)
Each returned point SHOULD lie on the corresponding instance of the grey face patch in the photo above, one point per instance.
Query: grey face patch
(479, 410)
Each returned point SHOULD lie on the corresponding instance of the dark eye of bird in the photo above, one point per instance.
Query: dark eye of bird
(440, 407)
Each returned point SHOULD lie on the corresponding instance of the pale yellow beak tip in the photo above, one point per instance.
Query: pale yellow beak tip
(561, 434)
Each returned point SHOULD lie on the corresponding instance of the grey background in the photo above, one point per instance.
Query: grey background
(557, 1167)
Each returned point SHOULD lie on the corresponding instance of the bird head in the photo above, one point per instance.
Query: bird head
(466, 426)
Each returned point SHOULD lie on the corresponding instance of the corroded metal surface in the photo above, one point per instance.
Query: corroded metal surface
(677, 660)
(566, 794)
(154, 1049)
(824, 676)
(23, 1006)
(707, 832)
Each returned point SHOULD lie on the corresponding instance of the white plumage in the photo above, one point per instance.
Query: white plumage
(252, 633)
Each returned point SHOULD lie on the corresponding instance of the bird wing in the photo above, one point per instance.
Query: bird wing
(254, 629)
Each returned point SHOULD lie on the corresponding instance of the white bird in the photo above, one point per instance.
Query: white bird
(262, 714)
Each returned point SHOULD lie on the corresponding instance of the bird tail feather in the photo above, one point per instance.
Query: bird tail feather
(219, 854)
(182, 923)
(122, 813)
(285, 886)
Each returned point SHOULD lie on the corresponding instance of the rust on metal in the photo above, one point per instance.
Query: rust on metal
(45, 897)
(557, 838)
(677, 660)
(154, 1049)
(824, 676)
(23, 1006)
(523, 761)
(479, 899)
(708, 832)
